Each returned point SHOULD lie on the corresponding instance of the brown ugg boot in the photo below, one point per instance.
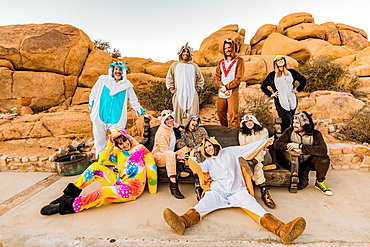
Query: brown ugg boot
(286, 232)
(180, 223)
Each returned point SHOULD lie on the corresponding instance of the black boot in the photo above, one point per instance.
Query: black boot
(71, 191)
(50, 209)
(64, 207)
(266, 197)
(198, 188)
(174, 188)
(181, 170)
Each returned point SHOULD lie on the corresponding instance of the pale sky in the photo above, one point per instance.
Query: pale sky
(157, 29)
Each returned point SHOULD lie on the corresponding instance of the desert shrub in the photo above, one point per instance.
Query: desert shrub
(157, 97)
(324, 74)
(105, 46)
(210, 89)
(358, 128)
(257, 104)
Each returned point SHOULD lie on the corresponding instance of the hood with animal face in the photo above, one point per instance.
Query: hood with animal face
(215, 144)
(192, 117)
(183, 48)
(164, 115)
(233, 47)
(305, 121)
(123, 133)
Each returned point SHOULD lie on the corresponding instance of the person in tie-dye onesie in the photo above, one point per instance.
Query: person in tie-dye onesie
(123, 169)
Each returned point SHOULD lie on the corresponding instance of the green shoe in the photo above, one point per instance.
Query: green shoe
(323, 188)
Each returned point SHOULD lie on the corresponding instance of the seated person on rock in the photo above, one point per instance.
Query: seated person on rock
(192, 137)
(164, 150)
(228, 189)
(123, 169)
(251, 131)
(303, 138)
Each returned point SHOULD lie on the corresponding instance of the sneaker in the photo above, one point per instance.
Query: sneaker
(323, 188)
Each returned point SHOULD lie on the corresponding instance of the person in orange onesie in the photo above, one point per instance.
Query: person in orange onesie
(229, 73)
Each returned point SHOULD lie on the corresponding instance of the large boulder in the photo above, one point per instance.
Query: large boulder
(211, 49)
(277, 44)
(45, 47)
(334, 52)
(137, 64)
(353, 40)
(331, 33)
(314, 45)
(158, 69)
(347, 60)
(305, 31)
(295, 18)
(337, 106)
(142, 81)
(97, 63)
(46, 89)
(361, 65)
(264, 31)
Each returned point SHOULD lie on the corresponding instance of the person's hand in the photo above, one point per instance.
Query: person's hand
(271, 140)
(148, 116)
(173, 91)
(197, 89)
(276, 94)
(223, 89)
(180, 156)
(173, 180)
(294, 91)
(293, 146)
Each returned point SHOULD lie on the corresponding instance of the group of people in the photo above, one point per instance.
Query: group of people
(222, 175)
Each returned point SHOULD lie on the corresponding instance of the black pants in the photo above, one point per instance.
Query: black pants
(313, 163)
(286, 116)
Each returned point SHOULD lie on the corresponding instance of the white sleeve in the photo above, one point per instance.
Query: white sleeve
(132, 99)
(246, 150)
(94, 92)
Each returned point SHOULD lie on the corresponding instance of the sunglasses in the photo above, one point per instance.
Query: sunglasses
(194, 117)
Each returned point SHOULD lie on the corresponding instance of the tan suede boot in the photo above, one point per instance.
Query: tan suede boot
(286, 232)
(180, 223)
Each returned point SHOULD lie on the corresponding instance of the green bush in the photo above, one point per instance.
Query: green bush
(158, 98)
(358, 128)
(257, 104)
(324, 74)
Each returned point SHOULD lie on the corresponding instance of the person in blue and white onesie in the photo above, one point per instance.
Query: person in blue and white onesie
(108, 103)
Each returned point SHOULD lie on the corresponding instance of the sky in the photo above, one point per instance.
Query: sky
(158, 29)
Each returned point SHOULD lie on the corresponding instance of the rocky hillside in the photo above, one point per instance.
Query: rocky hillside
(56, 65)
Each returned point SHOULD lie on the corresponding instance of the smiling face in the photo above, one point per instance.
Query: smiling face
(209, 148)
(250, 124)
(297, 126)
(169, 121)
(117, 73)
(193, 124)
(228, 49)
(185, 55)
(122, 144)
(280, 62)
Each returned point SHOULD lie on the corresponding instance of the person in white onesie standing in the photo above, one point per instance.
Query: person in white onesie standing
(184, 80)
(108, 103)
(228, 189)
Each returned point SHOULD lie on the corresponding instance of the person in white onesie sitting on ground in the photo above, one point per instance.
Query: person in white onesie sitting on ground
(228, 189)
(108, 103)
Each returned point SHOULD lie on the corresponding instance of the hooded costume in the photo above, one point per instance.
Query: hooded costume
(258, 175)
(192, 139)
(126, 182)
(164, 146)
(314, 155)
(228, 189)
(108, 103)
(286, 102)
(186, 78)
(229, 74)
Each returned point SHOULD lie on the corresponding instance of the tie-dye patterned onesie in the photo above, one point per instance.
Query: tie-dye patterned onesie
(125, 183)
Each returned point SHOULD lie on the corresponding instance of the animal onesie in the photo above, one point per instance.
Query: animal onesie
(286, 102)
(185, 77)
(164, 146)
(227, 180)
(258, 175)
(192, 139)
(133, 168)
(108, 103)
(314, 154)
(229, 74)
